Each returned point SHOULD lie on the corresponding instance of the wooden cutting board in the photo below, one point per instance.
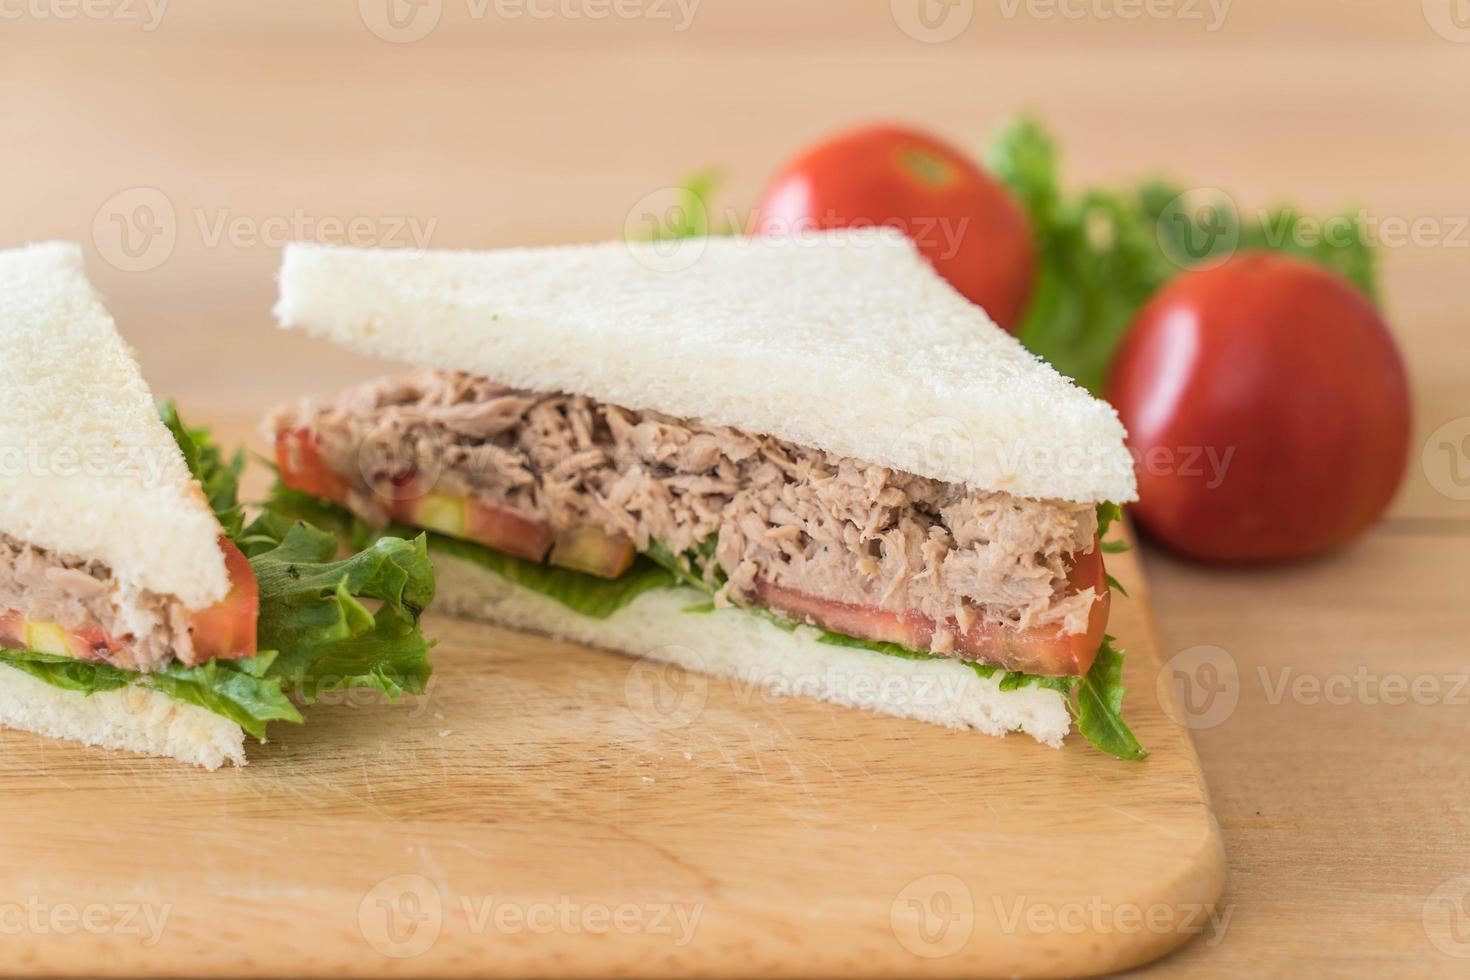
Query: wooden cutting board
(547, 809)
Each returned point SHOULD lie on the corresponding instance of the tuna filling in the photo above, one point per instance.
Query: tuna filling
(585, 483)
(76, 608)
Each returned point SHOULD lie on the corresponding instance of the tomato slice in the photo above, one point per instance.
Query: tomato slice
(299, 456)
(89, 643)
(1043, 650)
(12, 631)
(507, 531)
(226, 630)
(585, 547)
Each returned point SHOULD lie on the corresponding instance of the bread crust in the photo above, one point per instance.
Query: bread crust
(88, 471)
(843, 341)
(752, 652)
(133, 719)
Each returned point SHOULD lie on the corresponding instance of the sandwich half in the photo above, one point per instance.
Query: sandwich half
(136, 610)
(807, 464)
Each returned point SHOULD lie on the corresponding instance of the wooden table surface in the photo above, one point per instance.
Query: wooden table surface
(182, 145)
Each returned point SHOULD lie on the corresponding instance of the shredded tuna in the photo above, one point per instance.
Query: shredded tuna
(148, 629)
(801, 518)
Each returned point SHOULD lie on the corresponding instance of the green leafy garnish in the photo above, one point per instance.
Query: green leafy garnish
(220, 479)
(240, 690)
(1099, 709)
(1101, 254)
(244, 691)
(67, 673)
(329, 640)
(588, 595)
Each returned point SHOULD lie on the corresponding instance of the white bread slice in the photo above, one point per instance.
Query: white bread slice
(87, 470)
(843, 341)
(753, 652)
(131, 718)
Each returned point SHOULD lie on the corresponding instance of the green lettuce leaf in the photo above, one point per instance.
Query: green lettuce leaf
(587, 595)
(240, 690)
(67, 673)
(1103, 253)
(1099, 708)
(327, 637)
(220, 479)
(1010, 681)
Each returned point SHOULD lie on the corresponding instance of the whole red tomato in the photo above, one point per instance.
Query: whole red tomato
(962, 220)
(1267, 408)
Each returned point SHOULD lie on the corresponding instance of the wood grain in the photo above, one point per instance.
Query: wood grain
(1340, 820)
(730, 830)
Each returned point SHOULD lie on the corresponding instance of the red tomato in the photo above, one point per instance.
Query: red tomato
(1268, 411)
(12, 631)
(1044, 650)
(505, 530)
(963, 220)
(298, 454)
(226, 630)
